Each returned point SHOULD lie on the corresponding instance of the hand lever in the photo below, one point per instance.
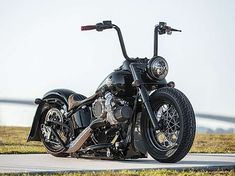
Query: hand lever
(169, 30)
(176, 30)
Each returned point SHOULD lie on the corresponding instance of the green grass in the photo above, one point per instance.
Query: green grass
(140, 173)
(214, 143)
(13, 140)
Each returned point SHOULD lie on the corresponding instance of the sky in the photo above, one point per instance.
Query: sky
(42, 48)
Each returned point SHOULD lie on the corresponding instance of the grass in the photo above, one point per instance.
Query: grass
(13, 140)
(139, 173)
(214, 143)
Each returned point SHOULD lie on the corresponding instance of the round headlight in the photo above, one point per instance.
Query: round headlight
(157, 68)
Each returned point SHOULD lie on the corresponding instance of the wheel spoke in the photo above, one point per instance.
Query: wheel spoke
(168, 135)
(53, 115)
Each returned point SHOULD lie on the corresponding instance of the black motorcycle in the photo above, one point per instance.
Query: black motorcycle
(133, 112)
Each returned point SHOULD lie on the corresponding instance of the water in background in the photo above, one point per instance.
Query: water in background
(21, 115)
(16, 115)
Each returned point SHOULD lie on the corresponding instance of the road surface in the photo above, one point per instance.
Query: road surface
(37, 163)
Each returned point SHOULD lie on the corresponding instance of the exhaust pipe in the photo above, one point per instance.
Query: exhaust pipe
(77, 143)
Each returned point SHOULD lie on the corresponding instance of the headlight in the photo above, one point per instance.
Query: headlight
(157, 68)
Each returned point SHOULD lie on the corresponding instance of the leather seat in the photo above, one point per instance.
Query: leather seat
(74, 103)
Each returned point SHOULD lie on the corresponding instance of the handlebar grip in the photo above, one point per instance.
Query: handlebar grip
(88, 27)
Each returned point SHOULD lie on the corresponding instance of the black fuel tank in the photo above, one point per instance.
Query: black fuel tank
(119, 83)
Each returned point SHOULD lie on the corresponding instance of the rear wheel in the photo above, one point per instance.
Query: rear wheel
(173, 140)
(51, 118)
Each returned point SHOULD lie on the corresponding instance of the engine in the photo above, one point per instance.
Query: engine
(111, 108)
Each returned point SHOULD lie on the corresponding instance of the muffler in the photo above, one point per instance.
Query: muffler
(77, 143)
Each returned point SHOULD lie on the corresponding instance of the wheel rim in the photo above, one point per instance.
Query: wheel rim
(50, 141)
(168, 135)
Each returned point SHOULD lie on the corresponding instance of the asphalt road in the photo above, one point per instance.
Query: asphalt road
(47, 163)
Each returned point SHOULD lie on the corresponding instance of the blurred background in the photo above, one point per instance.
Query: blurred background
(42, 48)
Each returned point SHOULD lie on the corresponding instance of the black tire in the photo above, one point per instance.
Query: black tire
(55, 152)
(186, 122)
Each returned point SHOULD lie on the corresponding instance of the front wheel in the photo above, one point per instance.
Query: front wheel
(174, 138)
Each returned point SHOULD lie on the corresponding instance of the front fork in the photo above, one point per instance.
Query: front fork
(144, 94)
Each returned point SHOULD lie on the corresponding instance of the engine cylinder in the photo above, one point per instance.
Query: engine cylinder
(98, 108)
(123, 113)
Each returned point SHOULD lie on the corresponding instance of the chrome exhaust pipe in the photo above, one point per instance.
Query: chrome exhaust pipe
(77, 143)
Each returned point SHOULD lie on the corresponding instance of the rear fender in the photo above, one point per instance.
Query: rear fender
(34, 134)
(83, 117)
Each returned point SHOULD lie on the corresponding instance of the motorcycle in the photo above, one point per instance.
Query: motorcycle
(134, 112)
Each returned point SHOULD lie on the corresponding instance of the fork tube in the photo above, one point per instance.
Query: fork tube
(145, 98)
(144, 95)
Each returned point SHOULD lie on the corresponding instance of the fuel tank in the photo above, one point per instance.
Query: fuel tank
(119, 83)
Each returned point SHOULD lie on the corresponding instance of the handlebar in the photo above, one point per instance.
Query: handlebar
(160, 29)
(108, 25)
